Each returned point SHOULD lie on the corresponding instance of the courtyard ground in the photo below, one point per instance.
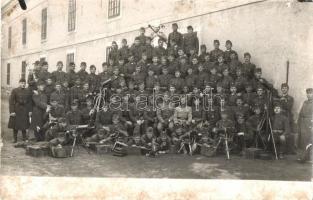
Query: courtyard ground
(15, 162)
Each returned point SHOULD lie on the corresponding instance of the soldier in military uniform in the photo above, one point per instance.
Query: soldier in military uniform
(305, 129)
(254, 128)
(74, 116)
(280, 128)
(175, 36)
(76, 94)
(142, 37)
(248, 67)
(20, 108)
(113, 55)
(123, 52)
(59, 95)
(165, 79)
(203, 53)
(135, 50)
(71, 75)
(214, 54)
(191, 41)
(59, 75)
(49, 88)
(82, 74)
(38, 114)
(159, 50)
(44, 74)
(165, 112)
(225, 124)
(177, 82)
(93, 80)
(229, 51)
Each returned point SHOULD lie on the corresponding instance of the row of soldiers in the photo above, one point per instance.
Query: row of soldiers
(235, 92)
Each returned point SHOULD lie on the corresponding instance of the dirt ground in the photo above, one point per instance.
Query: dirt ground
(15, 162)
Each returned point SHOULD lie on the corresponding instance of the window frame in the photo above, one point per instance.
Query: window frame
(114, 9)
(10, 37)
(44, 23)
(8, 73)
(23, 70)
(71, 24)
(70, 57)
(24, 31)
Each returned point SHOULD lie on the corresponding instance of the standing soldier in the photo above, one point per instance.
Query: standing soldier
(134, 50)
(50, 87)
(248, 67)
(82, 74)
(214, 54)
(123, 52)
(39, 109)
(305, 122)
(142, 37)
(71, 75)
(59, 95)
(175, 36)
(159, 50)
(44, 74)
(93, 80)
(229, 51)
(104, 75)
(59, 75)
(113, 55)
(191, 41)
(20, 108)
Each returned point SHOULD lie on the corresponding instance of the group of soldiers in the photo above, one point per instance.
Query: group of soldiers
(158, 96)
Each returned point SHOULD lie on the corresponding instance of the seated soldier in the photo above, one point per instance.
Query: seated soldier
(249, 96)
(243, 137)
(55, 112)
(149, 141)
(240, 109)
(58, 135)
(234, 65)
(151, 79)
(240, 80)
(225, 124)
(155, 66)
(233, 95)
(136, 115)
(226, 80)
(164, 142)
(74, 117)
(254, 127)
(220, 65)
(280, 130)
(165, 79)
(117, 133)
(59, 95)
(76, 94)
(211, 114)
(88, 112)
(150, 116)
(103, 120)
(165, 112)
(177, 81)
(213, 78)
(182, 120)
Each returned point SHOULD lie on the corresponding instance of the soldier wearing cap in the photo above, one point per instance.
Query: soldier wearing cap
(248, 67)
(59, 95)
(280, 128)
(240, 80)
(165, 79)
(175, 36)
(44, 74)
(214, 54)
(134, 50)
(123, 51)
(93, 80)
(148, 140)
(57, 135)
(229, 51)
(213, 78)
(142, 37)
(190, 41)
(159, 50)
(249, 95)
(59, 75)
(190, 79)
(74, 116)
(82, 74)
(261, 98)
(177, 82)
(20, 108)
(225, 124)
(40, 107)
(148, 49)
(113, 55)
(305, 121)
(71, 75)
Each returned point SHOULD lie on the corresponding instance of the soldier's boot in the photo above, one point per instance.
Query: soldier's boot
(24, 135)
(15, 136)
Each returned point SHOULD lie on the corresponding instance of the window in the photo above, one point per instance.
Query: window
(114, 8)
(9, 37)
(69, 59)
(23, 70)
(71, 15)
(24, 22)
(108, 50)
(8, 73)
(44, 24)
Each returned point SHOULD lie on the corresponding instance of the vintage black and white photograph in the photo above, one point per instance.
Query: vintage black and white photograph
(175, 89)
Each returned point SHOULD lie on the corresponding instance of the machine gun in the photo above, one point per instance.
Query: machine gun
(77, 131)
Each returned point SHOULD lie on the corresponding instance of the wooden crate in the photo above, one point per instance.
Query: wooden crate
(252, 153)
(37, 150)
(103, 149)
(207, 150)
(61, 152)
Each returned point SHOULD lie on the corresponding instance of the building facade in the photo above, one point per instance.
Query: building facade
(79, 30)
